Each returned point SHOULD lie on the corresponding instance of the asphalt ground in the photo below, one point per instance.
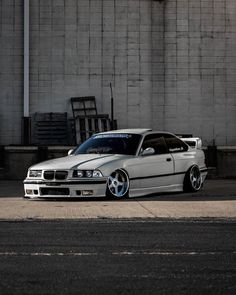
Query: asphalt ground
(217, 199)
(118, 257)
(159, 244)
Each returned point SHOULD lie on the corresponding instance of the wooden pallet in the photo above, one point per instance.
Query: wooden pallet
(88, 125)
(50, 129)
(83, 106)
(87, 120)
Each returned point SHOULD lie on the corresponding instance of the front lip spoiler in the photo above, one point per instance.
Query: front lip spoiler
(70, 182)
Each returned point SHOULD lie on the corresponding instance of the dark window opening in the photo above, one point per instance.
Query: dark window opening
(114, 143)
(156, 142)
(174, 144)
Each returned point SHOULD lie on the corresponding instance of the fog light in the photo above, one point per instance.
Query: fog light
(78, 193)
(87, 193)
(29, 192)
(36, 192)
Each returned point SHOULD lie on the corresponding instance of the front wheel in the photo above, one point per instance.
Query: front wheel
(193, 180)
(118, 184)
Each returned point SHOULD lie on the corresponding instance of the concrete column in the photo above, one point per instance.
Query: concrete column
(26, 58)
(26, 118)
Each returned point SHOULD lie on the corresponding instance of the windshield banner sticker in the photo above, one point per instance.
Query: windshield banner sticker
(112, 136)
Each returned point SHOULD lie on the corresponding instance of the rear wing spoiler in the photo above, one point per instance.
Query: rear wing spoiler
(193, 142)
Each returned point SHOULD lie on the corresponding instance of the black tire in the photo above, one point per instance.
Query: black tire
(118, 185)
(193, 179)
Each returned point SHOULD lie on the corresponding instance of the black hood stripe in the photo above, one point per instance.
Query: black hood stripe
(94, 159)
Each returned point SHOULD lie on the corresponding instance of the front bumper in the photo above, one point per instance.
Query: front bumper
(64, 189)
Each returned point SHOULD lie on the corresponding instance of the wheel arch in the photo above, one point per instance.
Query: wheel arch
(108, 168)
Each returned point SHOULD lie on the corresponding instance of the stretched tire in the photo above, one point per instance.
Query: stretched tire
(193, 179)
(118, 184)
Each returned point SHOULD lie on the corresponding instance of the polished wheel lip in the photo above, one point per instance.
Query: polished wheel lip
(195, 178)
(118, 183)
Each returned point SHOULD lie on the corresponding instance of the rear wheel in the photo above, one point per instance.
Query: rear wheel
(118, 184)
(193, 180)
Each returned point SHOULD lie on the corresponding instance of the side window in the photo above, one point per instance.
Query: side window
(156, 142)
(175, 145)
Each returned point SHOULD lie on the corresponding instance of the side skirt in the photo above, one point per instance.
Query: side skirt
(161, 189)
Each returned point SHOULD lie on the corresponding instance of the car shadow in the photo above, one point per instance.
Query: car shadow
(186, 197)
(165, 197)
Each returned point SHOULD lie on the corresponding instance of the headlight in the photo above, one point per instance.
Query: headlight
(78, 173)
(97, 173)
(35, 173)
(87, 173)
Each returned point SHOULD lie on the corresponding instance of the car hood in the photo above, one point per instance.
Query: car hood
(85, 161)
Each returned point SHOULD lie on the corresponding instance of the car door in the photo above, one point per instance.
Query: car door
(155, 169)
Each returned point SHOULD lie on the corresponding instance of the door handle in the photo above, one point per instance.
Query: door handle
(168, 159)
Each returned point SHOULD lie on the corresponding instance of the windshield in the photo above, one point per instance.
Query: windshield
(117, 143)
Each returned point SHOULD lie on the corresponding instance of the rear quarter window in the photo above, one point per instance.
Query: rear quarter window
(175, 145)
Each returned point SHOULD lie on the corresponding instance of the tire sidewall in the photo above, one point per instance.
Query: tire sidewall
(109, 194)
(188, 187)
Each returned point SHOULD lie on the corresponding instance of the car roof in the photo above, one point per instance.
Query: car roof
(140, 131)
(131, 131)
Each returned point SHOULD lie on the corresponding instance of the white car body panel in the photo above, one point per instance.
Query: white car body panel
(83, 161)
(150, 167)
(147, 174)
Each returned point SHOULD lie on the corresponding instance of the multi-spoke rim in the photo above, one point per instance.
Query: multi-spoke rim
(118, 183)
(195, 178)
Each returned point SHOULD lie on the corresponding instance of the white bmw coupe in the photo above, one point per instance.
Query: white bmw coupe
(119, 164)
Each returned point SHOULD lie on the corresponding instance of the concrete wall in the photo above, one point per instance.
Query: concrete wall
(172, 63)
(200, 69)
(11, 70)
(79, 47)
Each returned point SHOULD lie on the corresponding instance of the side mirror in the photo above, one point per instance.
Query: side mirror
(148, 151)
(70, 152)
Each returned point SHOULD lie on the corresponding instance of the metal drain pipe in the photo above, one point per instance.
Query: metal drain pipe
(26, 118)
